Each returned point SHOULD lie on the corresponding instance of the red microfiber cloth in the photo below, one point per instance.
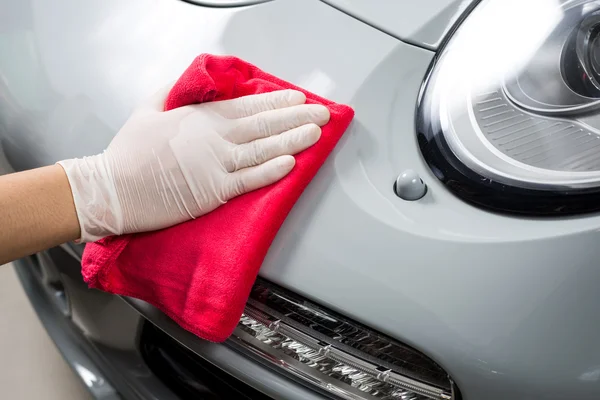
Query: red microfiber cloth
(200, 273)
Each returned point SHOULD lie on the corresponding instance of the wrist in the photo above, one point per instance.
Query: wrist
(95, 197)
(63, 205)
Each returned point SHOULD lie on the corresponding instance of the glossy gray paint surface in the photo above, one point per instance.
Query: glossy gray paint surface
(505, 304)
(424, 23)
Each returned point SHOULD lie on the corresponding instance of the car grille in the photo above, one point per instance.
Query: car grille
(353, 336)
(333, 353)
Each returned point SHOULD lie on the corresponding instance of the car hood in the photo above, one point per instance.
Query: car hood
(425, 24)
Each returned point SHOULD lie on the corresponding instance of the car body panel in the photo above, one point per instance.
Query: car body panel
(504, 304)
(424, 24)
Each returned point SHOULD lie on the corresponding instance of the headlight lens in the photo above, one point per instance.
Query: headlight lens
(509, 117)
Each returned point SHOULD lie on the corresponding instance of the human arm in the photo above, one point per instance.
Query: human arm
(36, 212)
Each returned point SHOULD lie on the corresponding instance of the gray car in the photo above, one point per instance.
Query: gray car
(448, 249)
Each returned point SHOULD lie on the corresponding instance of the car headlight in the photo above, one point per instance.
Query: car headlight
(509, 116)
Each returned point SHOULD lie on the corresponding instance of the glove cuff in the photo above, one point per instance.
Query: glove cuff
(95, 197)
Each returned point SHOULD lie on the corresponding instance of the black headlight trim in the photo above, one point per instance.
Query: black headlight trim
(486, 193)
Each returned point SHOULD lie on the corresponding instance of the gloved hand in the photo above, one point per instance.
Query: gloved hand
(164, 168)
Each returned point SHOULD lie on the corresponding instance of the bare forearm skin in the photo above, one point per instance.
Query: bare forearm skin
(36, 212)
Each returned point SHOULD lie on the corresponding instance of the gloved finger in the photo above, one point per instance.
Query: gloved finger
(249, 105)
(261, 150)
(274, 122)
(156, 101)
(249, 179)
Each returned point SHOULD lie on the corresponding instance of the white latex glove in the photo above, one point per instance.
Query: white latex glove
(164, 168)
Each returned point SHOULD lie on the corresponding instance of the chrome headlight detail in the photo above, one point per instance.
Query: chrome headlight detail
(334, 354)
(509, 117)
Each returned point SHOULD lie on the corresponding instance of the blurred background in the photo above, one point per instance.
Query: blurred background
(30, 365)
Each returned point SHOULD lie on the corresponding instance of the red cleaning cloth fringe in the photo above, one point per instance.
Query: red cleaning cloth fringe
(200, 273)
